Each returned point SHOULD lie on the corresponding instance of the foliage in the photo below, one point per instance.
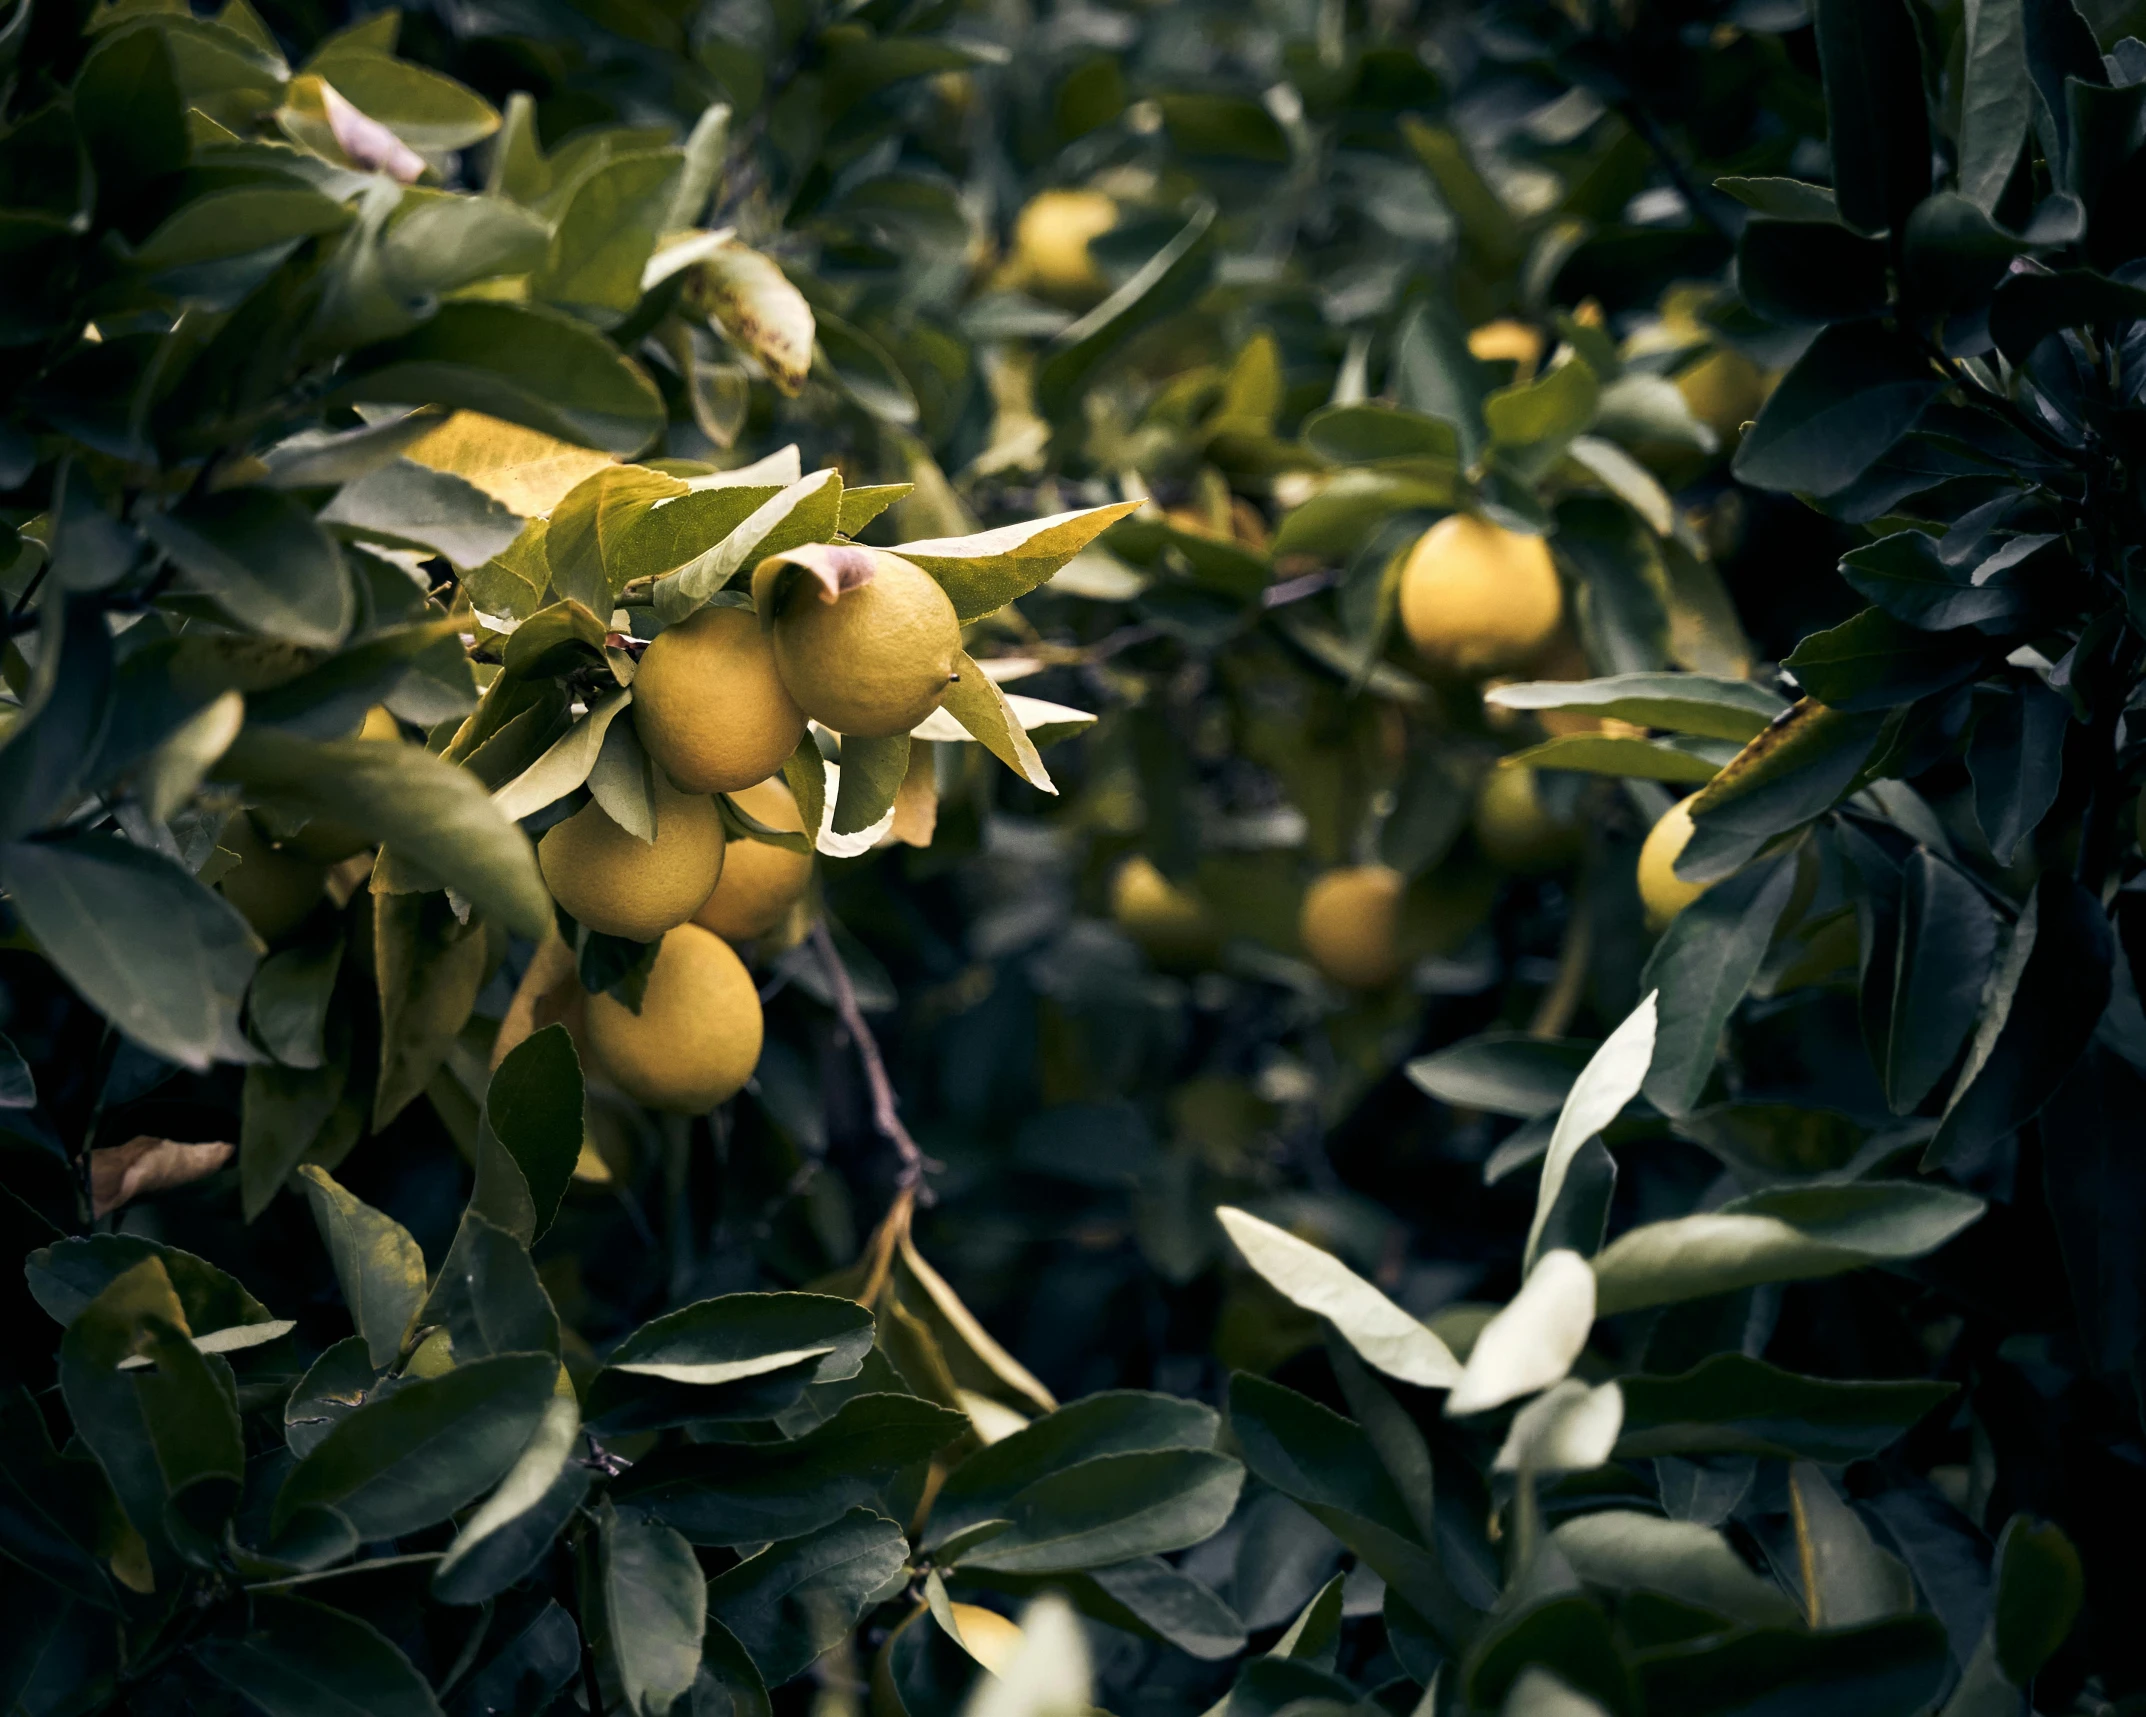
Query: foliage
(1256, 1175)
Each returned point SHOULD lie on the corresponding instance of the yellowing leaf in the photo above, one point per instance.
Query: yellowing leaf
(524, 470)
(984, 572)
(119, 1174)
(761, 311)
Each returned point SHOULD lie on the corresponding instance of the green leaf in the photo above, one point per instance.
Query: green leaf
(742, 1494)
(1531, 423)
(2015, 756)
(589, 528)
(1173, 1607)
(1731, 1404)
(1873, 661)
(161, 957)
(128, 106)
(283, 1114)
(428, 967)
(872, 772)
(1122, 1421)
(1779, 1235)
(1848, 1580)
(406, 1461)
(1786, 776)
(377, 1264)
(1507, 1073)
(67, 1275)
(741, 1356)
(1110, 1509)
(1622, 1552)
(2040, 1590)
(1372, 432)
(644, 1604)
(533, 1108)
(1890, 1668)
(1679, 703)
(432, 814)
(607, 232)
(1366, 1319)
(804, 512)
(1784, 199)
(1876, 123)
(409, 505)
(1168, 281)
(1856, 391)
(1610, 1080)
(761, 310)
(567, 764)
(2029, 308)
(984, 572)
(339, 1380)
(512, 1529)
(488, 1295)
(1948, 941)
(539, 368)
(261, 558)
(1702, 967)
(1533, 1340)
(299, 1659)
(793, 1600)
(2040, 1007)
(865, 370)
(1692, 761)
(1906, 577)
(1996, 102)
(51, 1511)
(233, 222)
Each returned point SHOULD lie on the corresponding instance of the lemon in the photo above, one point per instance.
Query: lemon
(992, 1639)
(613, 881)
(709, 705)
(272, 887)
(1350, 925)
(1507, 339)
(1050, 242)
(1515, 829)
(1477, 599)
(696, 1039)
(1173, 925)
(1724, 390)
(876, 660)
(1661, 891)
(760, 882)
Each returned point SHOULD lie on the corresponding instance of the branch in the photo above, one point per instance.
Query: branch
(884, 1113)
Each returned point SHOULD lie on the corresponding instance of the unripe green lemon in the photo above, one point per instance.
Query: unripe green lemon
(760, 882)
(874, 661)
(1350, 925)
(613, 881)
(1173, 925)
(1661, 891)
(1515, 829)
(710, 706)
(273, 888)
(1477, 599)
(695, 1041)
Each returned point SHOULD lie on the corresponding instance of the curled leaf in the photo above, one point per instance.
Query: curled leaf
(119, 1174)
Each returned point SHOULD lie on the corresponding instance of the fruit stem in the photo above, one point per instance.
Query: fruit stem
(884, 1114)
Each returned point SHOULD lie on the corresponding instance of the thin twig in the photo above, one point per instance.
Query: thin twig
(1553, 1013)
(884, 1114)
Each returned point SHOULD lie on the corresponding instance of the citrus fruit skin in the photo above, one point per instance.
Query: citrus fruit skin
(1350, 925)
(710, 706)
(1050, 242)
(695, 1041)
(1661, 891)
(272, 887)
(1477, 599)
(992, 1639)
(1515, 829)
(615, 882)
(1173, 925)
(760, 882)
(876, 660)
(1507, 339)
(1724, 390)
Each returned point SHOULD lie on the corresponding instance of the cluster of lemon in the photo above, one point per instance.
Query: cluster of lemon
(720, 701)
(1477, 601)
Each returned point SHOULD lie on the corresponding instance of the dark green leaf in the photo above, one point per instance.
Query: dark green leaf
(1905, 576)
(533, 1109)
(743, 1356)
(1110, 1509)
(606, 233)
(2016, 758)
(1875, 118)
(377, 1264)
(409, 1460)
(2040, 1588)
(792, 1601)
(67, 1275)
(50, 1509)
(1996, 101)
(1850, 397)
(299, 1659)
(1873, 662)
(264, 560)
(1168, 281)
(644, 1603)
(1507, 1073)
(159, 955)
(48, 754)
(428, 965)
(2030, 307)
(735, 1494)
(1948, 938)
(1785, 777)
(1702, 966)
(1730, 1404)
(1890, 1668)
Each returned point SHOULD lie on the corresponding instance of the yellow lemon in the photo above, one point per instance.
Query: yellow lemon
(874, 661)
(1477, 599)
(272, 887)
(710, 706)
(1515, 828)
(760, 882)
(1724, 390)
(1050, 242)
(1507, 339)
(1350, 925)
(1173, 925)
(1661, 891)
(613, 881)
(695, 1041)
